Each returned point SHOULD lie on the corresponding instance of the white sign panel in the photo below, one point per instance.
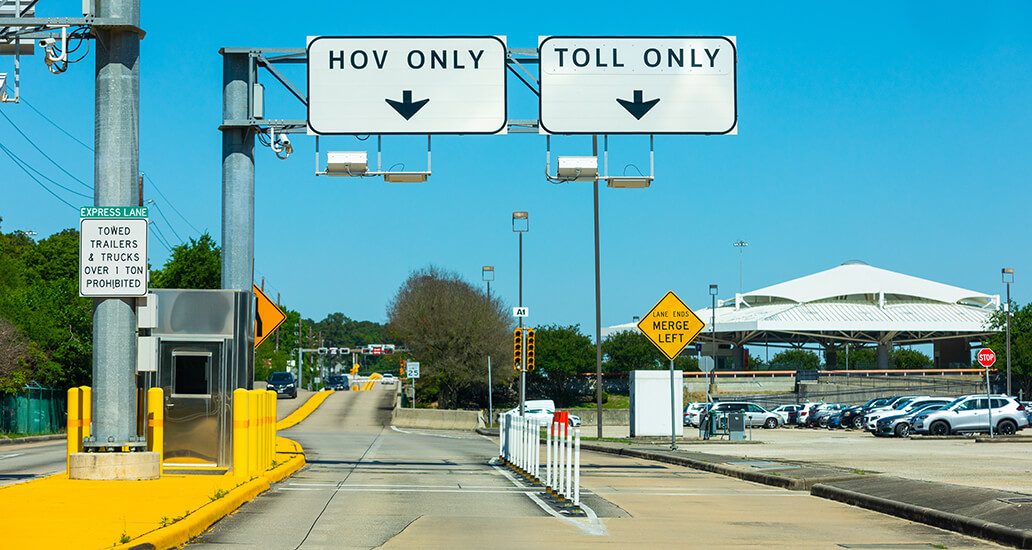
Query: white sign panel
(521, 312)
(638, 85)
(412, 369)
(406, 85)
(112, 254)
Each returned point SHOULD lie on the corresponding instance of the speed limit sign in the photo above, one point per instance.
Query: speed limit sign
(412, 369)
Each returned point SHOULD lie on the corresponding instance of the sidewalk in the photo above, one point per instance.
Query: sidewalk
(1001, 516)
(56, 512)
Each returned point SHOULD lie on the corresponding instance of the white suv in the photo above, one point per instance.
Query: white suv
(971, 413)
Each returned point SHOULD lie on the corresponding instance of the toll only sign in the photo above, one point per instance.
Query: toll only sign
(671, 325)
(113, 251)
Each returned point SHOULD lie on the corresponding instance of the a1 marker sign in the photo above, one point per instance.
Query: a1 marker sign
(986, 357)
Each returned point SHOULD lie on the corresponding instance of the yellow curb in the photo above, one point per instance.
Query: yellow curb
(304, 410)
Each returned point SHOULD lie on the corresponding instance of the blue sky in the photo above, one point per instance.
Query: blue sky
(893, 133)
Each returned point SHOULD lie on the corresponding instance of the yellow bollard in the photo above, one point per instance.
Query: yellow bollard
(263, 419)
(252, 433)
(240, 425)
(87, 411)
(271, 429)
(156, 422)
(74, 425)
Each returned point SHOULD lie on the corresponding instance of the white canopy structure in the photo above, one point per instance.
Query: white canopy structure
(856, 303)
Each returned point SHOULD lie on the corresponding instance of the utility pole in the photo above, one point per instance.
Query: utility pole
(116, 172)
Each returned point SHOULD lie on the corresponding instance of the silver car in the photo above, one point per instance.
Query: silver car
(971, 413)
(754, 414)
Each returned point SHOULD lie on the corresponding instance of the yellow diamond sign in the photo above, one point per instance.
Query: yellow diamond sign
(670, 325)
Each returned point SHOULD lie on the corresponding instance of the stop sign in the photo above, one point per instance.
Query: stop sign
(986, 357)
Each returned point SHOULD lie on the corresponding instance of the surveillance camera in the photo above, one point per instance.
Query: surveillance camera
(47, 43)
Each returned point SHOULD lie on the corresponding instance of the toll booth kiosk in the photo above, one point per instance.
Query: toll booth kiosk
(205, 350)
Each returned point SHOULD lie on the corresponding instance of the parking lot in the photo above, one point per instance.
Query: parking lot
(958, 460)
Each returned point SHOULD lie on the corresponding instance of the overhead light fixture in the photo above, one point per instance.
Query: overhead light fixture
(628, 182)
(347, 163)
(405, 177)
(578, 168)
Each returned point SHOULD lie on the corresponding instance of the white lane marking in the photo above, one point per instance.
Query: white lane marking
(431, 434)
(296, 489)
(703, 494)
(346, 489)
(388, 486)
(591, 525)
(10, 455)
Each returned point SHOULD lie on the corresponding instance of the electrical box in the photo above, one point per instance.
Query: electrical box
(147, 312)
(258, 101)
(347, 163)
(578, 168)
(147, 354)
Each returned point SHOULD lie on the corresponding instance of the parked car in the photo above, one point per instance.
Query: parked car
(804, 412)
(755, 415)
(540, 410)
(691, 413)
(283, 384)
(388, 378)
(971, 413)
(338, 382)
(901, 407)
(821, 415)
(899, 424)
(853, 417)
(784, 412)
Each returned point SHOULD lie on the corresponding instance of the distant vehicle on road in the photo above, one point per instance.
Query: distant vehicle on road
(338, 382)
(388, 379)
(540, 410)
(283, 384)
(755, 415)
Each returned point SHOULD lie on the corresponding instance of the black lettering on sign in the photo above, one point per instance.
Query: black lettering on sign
(378, 60)
(652, 57)
(412, 56)
(675, 57)
(359, 62)
(694, 64)
(339, 59)
(561, 51)
(585, 56)
(476, 58)
(713, 57)
(441, 60)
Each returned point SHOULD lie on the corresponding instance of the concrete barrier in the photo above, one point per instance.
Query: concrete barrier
(435, 419)
(610, 417)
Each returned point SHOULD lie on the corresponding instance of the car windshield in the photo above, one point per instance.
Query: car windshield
(334, 379)
(281, 377)
(953, 404)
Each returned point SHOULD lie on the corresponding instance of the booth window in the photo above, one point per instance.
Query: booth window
(190, 374)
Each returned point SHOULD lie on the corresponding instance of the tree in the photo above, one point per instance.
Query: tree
(450, 327)
(630, 350)
(1021, 344)
(560, 354)
(796, 359)
(197, 264)
(903, 358)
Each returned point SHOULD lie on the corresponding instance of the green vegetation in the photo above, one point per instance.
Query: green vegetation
(219, 493)
(1021, 345)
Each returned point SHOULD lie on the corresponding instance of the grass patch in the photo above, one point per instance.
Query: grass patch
(219, 493)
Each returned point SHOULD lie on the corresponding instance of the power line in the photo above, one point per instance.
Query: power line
(8, 153)
(41, 174)
(54, 162)
(161, 238)
(166, 220)
(63, 131)
(198, 231)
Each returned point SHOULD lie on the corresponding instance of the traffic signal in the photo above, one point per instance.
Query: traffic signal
(517, 348)
(530, 348)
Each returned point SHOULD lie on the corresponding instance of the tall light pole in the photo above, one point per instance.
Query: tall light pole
(1008, 278)
(713, 333)
(488, 275)
(740, 245)
(520, 225)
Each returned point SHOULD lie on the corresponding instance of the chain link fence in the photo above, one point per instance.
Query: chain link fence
(34, 410)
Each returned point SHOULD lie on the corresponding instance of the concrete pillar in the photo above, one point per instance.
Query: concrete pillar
(953, 353)
(831, 357)
(738, 356)
(883, 355)
(116, 169)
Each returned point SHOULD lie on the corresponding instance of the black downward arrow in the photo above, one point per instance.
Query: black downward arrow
(638, 108)
(406, 107)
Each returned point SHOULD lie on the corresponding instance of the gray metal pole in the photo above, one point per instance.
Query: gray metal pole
(116, 169)
(673, 410)
(238, 190)
(490, 405)
(523, 340)
(598, 308)
(1008, 312)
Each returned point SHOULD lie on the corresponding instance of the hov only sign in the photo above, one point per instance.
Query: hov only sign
(638, 85)
(406, 85)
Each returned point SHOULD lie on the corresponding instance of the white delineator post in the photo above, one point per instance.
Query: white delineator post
(548, 457)
(569, 462)
(576, 468)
